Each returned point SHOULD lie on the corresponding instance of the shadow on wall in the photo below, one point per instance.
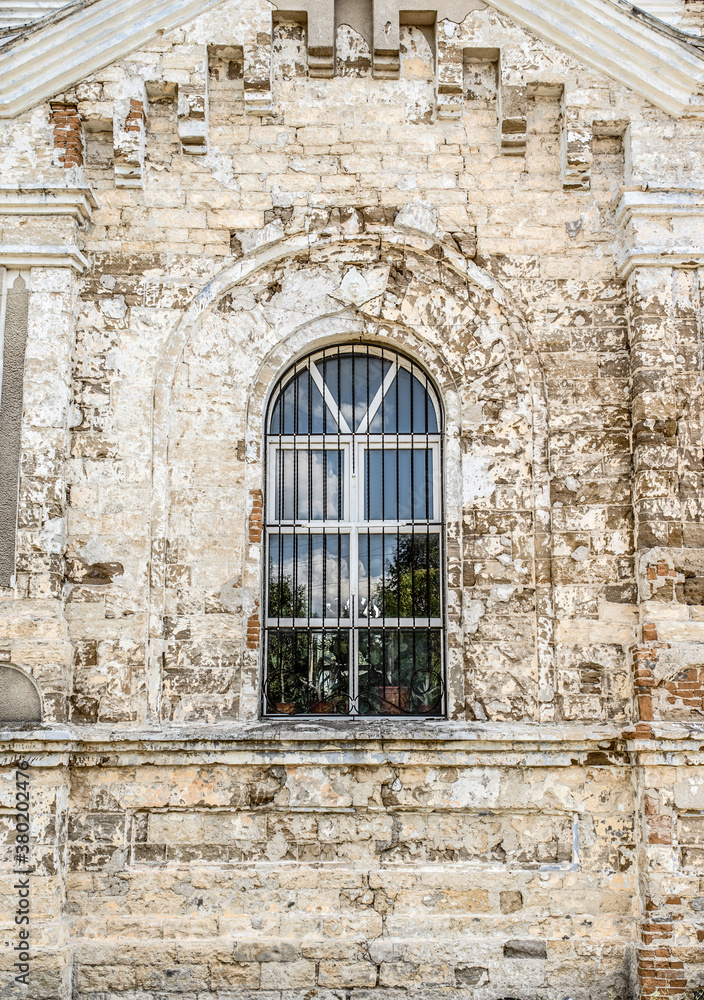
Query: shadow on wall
(20, 700)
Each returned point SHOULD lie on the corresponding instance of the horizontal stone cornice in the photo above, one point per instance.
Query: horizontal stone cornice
(77, 203)
(681, 258)
(373, 741)
(15, 256)
(632, 204)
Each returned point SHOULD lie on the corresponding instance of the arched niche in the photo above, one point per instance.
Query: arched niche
(20, 700)
(250, 322)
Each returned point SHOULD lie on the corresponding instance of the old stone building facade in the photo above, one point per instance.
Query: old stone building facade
(443, 259)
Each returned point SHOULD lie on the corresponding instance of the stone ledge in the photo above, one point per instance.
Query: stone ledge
(77, 202)
(20, 256)
(339, 742)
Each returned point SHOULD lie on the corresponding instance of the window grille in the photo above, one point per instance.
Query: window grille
(354, 541)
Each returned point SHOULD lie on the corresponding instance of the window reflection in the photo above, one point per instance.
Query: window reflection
(309, 576)
(398, 484)
(399, 671)
(354, 380)
(399, 575)
(406, 408)
(309, 485)
(353, 602)
(308, 671)
(300, 409)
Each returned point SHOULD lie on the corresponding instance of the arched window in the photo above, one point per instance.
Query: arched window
(354, 541)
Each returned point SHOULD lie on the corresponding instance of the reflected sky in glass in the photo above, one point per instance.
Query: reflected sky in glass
(353, 381)
(309, 485)
(398, 484)
(406, 408)
(300, 409)
(399, 575)
(309, 576)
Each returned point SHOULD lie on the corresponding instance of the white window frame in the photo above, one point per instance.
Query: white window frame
(353, 446)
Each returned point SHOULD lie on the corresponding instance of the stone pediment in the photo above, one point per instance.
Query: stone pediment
(659, 62)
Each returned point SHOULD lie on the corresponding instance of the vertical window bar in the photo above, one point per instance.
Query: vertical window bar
(296, 501)
(412, 541)
(366, 503)
(398, 538)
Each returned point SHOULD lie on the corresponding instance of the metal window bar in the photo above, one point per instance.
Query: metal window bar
(401, 657)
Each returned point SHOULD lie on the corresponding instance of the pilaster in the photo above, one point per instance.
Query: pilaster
(663, 247)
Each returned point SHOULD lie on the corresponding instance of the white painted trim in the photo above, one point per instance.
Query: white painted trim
(63, 48)
(661, 258)
(656, 61)
(78, 203)
(653, 59)
(660, 204)
(42, 256)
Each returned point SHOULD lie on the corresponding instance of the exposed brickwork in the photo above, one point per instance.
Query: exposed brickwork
(255, 516)
(253, 630)
(687, 689)
(660, 971)
(135, 116)
(511, 849)
(68, 134)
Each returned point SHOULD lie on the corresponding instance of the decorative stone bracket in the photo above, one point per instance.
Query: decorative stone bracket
(322, 15)
(575, 148)
(193, 118)
(129, 118)
(193, 107)
(257, 72)
(513, 117)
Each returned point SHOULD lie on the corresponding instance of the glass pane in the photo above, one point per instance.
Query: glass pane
(307, 671)
(400, 672)
(353, 380)
(406, 408)
(309, 576)
(308, 485)
(398, 485)
(300, 409)
(399, 576)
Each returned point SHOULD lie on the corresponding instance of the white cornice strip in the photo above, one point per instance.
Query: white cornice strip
(657, 204)
(42, 256)
(681, 257)
(41, 201)
(645, 55)
(63, 48)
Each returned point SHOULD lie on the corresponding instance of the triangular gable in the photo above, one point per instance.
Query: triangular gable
(659, 62)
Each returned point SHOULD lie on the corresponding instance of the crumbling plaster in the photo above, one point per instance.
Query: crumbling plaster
(529, 229)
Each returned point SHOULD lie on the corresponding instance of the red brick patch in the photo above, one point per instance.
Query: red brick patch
(68, 135)
(255, 516)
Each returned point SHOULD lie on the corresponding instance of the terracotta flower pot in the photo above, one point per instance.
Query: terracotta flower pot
(394, 700)
(322, 708)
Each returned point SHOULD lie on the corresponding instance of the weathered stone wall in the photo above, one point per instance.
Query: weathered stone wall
(410, 875)
(529, 231)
